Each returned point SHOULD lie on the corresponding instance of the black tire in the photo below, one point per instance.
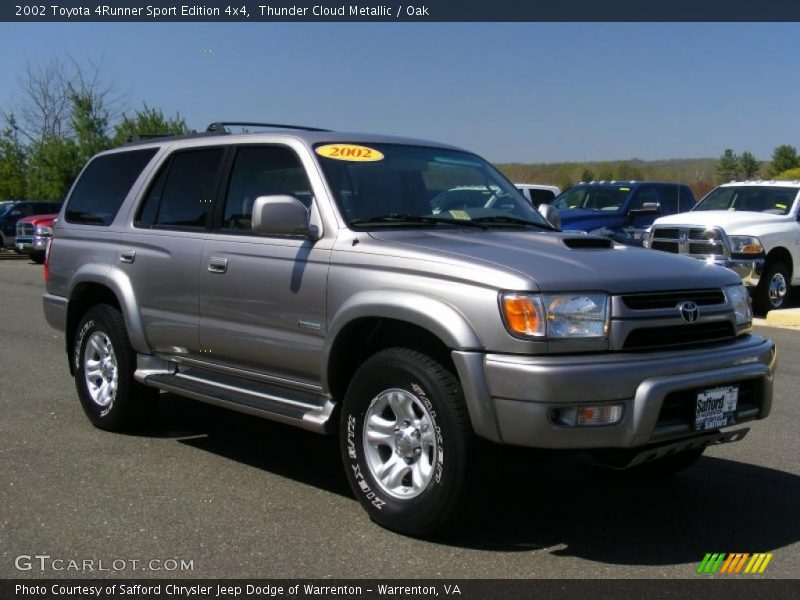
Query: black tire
(38, 258)
(762, 301)
(413, 375)
(130, 403)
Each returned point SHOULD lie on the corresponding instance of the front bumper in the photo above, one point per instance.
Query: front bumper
(31, 244)
(748, 269)
(510, 397)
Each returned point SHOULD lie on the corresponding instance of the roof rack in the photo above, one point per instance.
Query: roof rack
(147, 138)
(221, 125)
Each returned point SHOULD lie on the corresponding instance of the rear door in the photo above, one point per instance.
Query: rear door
(162, 256)
(638, 224)
(262, 297)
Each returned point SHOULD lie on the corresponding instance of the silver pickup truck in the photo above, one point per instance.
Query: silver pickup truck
(341, 283)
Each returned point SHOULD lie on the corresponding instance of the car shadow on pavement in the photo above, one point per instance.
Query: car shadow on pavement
(529, 499)
(568, 504)
(280, 449)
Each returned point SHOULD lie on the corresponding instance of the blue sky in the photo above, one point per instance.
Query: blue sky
(509, 91)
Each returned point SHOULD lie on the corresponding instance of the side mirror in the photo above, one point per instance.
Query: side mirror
(648, 208)
(281, 215)
(549, 212)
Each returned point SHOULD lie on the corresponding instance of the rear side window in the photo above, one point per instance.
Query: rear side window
(669, 199)
(182, 195)
(103, 186)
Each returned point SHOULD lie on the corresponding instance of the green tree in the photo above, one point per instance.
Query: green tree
(790, 174)
(13, 165)
(748, 165)
(89, 122)
(784, 157)
(729, 166)
(146, 122)
(587, 175)
(53, 165)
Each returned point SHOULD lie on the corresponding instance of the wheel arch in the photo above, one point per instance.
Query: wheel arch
(782, 255)
(370, 322)
(96, 284)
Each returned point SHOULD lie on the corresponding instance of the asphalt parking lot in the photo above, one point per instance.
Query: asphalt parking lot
(242, 497)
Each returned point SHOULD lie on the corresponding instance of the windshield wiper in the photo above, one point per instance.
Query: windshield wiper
(395, 218)
(513, 221)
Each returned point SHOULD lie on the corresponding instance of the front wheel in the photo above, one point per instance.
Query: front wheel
(773, 289)
(406, 441)
(104, 365)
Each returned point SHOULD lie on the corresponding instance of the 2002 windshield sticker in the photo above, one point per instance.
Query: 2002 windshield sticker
(351, 152)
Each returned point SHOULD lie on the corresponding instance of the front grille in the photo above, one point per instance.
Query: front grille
(654, 338)
(25, 229)
(650, 301)
(697, 241)
(666, 246)
(705, 248)
(678, 408)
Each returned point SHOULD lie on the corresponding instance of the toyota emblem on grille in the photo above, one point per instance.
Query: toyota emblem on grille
(689, 311)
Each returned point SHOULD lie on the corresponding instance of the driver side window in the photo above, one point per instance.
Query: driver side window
(262, 171)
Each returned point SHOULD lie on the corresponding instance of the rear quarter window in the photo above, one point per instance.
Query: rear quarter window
(104, 185)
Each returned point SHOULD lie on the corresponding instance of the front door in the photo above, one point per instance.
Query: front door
(262, 298)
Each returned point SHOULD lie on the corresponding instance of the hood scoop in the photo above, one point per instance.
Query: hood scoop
(588, 243)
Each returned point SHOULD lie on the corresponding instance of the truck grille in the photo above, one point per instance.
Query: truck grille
(652, 338)
(25, 229)
(649, 301)
(695, 241)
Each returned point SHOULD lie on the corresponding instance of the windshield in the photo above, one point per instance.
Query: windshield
(397, 185)
(767, 199)
(5, 207)
(584, 197)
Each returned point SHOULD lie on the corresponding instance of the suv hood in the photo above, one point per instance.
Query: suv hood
(550, 264)
(721, 218)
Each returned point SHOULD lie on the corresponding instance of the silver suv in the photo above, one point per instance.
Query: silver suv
(341, 283)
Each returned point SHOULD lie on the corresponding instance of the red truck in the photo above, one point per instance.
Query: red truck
(33, 233)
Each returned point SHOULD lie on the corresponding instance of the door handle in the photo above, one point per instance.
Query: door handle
(127, 256)
(217, 265)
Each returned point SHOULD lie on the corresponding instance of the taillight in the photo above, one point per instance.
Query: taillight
(47, 259)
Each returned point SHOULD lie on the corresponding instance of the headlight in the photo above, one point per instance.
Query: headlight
(745, 244)
(741, 304)
(557, 316)
(44, 230)
(647, 239)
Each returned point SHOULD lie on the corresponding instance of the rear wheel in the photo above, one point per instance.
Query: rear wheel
(104, 363)
(406, 441)
(37, 257)
(773, 288)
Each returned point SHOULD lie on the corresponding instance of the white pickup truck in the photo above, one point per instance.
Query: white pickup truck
(750, 227)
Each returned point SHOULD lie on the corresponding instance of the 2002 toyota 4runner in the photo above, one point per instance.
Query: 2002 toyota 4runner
(302, 275)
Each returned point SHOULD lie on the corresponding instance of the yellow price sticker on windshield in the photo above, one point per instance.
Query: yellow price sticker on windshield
(461, 215)
(351, 152)
(624, 189)
(781, 206)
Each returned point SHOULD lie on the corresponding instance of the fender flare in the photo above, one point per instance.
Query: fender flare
(120, 285)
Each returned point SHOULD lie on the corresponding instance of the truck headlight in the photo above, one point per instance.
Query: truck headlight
(44, 230)
(647, 239)
(557, 316)
(741, 304)
(745, 244)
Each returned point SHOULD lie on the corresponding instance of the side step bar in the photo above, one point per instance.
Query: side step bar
(302, 409)
(625, 459)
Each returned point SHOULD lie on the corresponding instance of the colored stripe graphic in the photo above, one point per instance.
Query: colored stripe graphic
(734, 563)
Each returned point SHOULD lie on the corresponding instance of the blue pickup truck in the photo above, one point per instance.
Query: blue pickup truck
(621, 211)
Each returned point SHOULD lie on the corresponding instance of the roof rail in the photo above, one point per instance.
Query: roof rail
(147, 138)
(221, 125)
